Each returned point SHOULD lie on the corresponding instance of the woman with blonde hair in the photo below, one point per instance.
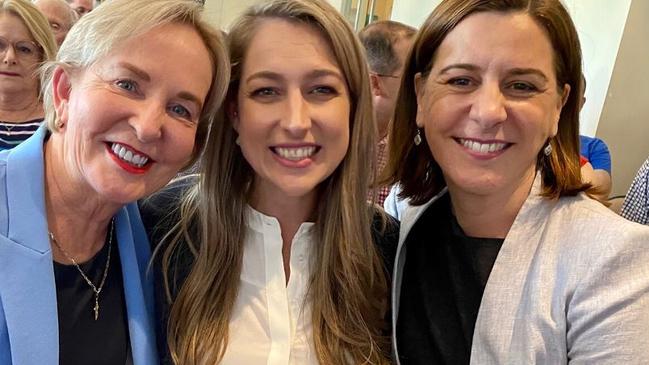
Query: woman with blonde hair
(26, 42)
(275, 259)
(503, 257)
(119, 125)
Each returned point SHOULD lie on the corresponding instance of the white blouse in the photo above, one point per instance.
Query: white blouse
(271, 321)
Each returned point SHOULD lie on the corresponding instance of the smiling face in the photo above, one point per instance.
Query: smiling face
(293, 109)
(490, 102)
(130, 120)
(18, 67)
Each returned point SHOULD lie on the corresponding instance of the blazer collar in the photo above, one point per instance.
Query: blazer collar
(26, 193)
(505, 289)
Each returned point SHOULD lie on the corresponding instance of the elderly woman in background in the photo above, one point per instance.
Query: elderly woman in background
(503, 258)
(273, 257)
(26, 41)
(119, 125)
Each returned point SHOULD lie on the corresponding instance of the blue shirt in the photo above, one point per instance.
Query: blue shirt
(596, 151)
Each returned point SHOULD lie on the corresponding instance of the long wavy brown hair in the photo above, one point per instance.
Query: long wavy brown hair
(347, 288)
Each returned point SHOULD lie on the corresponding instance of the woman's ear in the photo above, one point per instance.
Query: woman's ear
(232, 109)
(61, 89)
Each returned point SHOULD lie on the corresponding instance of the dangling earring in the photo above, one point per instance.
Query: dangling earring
(418, 137)
(548, 149)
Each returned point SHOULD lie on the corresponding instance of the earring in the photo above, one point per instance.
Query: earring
(548, 149)
(418, 137)
(59, 124)
(237, 141)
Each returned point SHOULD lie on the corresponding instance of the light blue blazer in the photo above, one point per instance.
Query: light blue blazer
(29, 333)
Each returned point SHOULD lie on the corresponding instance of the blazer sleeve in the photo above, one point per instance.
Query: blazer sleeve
(608, 313)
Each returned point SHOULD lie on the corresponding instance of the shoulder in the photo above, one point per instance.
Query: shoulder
(161, 211)
(588, 226)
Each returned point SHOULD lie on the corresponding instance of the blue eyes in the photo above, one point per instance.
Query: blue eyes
(127, 85)
(180, 111)
(132, 88)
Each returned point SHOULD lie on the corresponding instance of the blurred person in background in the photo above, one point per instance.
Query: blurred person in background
(386, 46)
(26, 41)
(82, 7)
(60, 16)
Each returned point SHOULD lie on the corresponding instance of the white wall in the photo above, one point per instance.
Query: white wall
(600, 24)
(221, 13)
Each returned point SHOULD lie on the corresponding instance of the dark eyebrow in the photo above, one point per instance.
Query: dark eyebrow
(528, 71)
(325, 72)
(314, 74)
(138, 72)
(462, 66)
(264, 75)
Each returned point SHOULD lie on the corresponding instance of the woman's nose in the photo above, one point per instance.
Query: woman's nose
(296, 119)
(488, 108)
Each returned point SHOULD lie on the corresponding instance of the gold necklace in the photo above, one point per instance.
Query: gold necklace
(85, 277)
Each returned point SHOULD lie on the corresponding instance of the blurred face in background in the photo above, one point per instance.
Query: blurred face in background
(59, 15)
(19, 54)
(82, 7)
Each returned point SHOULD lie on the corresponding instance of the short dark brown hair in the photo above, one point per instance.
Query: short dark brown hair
(414, 166)
(378, 39)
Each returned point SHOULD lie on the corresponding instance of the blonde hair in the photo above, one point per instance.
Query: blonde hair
(347, 290)
(104, 29)
(36, 23)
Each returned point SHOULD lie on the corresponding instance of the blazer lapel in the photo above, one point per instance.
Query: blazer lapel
(505, 289)
(137, 286)
(27, 285)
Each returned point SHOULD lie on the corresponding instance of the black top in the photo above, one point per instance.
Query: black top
(82, 340)
(159, 215)
(443, 282)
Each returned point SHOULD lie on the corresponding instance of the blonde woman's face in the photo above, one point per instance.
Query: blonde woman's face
(490, 102)
(19, 56)
(293, 110)
(130, 121)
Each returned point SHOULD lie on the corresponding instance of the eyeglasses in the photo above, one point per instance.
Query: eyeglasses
(23, 49)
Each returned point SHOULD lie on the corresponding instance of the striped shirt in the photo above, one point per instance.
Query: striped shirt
(12, 134)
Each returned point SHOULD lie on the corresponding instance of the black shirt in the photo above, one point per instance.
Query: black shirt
(443, 282)
(82, 340)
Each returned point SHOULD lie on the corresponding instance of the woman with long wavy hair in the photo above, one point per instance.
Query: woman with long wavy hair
(269, 257)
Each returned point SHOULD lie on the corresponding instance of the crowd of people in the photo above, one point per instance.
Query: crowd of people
(292, 192)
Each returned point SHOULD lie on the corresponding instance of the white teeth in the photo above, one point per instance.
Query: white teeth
(482, 147)
(129, 156)
(295, 154)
